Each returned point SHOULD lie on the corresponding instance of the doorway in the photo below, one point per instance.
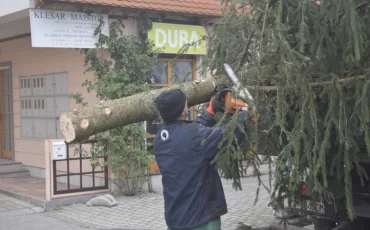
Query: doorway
(6, 124)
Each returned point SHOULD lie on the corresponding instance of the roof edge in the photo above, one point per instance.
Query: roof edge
(94, 3)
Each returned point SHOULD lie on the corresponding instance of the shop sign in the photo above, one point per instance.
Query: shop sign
(170, 38)
(65, 29)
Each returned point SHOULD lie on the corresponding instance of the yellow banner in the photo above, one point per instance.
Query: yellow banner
(170, 38)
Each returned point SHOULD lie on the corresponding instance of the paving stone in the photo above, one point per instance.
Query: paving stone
(146, 209)
(10, 207)
(16, 212)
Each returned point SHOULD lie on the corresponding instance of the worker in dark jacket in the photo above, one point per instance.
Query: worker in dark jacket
(192, 188)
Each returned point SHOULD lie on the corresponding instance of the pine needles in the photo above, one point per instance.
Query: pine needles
(316, 58)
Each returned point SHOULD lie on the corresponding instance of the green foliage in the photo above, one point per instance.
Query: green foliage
(308, 64)
(235, 156)
(128, 157)
(121, 64)
(131, 60)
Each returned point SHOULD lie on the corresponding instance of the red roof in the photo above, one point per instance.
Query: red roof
(199, 7)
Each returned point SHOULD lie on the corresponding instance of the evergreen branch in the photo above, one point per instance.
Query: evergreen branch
(247, 44)
(250, 37)
(259, 72)
(313, 84)
(263, 30)
(361, 4)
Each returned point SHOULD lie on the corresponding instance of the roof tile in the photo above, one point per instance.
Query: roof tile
(200, 7)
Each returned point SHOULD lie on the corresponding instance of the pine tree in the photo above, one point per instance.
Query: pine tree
(307, 64)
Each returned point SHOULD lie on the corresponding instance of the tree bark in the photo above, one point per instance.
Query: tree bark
(80, 124)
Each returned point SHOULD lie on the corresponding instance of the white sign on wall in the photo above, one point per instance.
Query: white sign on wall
(59, 150)
(65, 29)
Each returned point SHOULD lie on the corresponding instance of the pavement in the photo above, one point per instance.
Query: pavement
(144, 211)
(18, 215)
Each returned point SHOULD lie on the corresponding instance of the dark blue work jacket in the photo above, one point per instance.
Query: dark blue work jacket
(192, 188)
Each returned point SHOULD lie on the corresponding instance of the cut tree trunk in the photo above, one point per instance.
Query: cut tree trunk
(79, 124)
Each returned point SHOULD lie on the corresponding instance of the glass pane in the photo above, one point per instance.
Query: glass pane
(4, 84)
(6, 123)
(160, 73)
(182, 70)
(6, 144)
(5, 103)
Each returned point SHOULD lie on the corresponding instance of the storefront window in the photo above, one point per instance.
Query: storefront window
(160, 73)
(182, 70)
(167, 72)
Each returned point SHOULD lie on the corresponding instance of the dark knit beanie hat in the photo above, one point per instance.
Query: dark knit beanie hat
(170, 104)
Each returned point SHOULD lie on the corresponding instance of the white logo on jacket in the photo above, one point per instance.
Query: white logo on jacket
(164, 134)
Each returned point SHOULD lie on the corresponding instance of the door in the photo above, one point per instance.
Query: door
(6, 141)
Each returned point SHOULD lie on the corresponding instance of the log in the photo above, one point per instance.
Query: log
(80, 124)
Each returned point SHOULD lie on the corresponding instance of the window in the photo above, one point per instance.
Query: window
(42, 99)
(167, 72)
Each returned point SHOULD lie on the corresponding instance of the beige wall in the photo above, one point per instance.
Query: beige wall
(28, 61)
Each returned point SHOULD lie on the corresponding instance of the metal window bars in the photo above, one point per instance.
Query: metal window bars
(73, 188)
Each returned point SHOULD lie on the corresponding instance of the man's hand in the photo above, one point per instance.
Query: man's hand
(253, 115)
(214, 104)
(217, 102)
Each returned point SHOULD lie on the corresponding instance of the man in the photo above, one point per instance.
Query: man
(192, 188)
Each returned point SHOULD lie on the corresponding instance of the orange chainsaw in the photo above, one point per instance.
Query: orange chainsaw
(232, 98)
(243, 91)
(246, 98)
(224, 96)
(241, 97)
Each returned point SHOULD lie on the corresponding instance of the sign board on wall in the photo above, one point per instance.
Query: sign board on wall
(65, 29)
(170, 38)
(59, 150)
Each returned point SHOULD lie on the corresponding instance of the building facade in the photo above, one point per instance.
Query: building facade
(37, 75)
